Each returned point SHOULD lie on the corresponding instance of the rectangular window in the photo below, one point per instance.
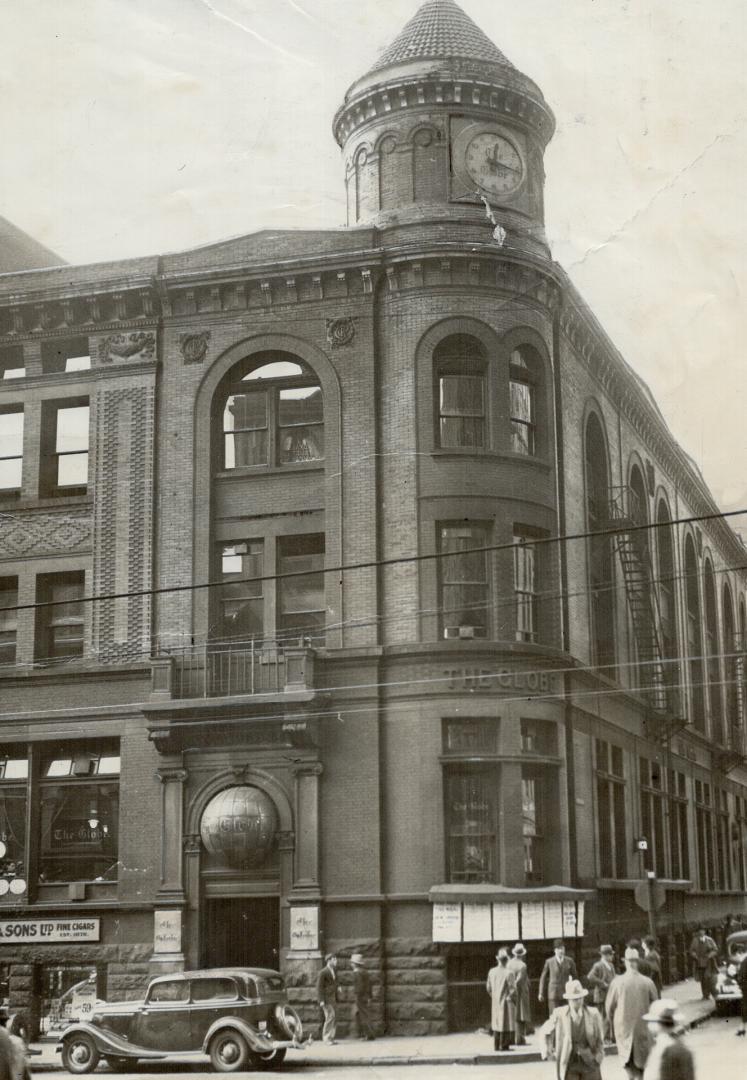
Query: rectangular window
(723, 857)
(653, 815)
(65, 440)
(72, 354)
(678, 826)
(539, 737)
(11, 449)
(461, 410)
(471, 817)
(467, 736)
(246, 429)
(242, 603)
(302, 608)
(8, 620)
(60, 625)
(13, 802)
(704, 836)
(464, 593)
(12, 362)
(522, 417)
(525, 588)
(610, 782)
(740, 842)
(301, 424)
(533, 823)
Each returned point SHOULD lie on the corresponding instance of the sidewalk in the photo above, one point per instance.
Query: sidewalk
(465, 1048)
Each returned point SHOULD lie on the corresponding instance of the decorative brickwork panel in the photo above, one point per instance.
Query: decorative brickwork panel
(28, 533)
(123, 557)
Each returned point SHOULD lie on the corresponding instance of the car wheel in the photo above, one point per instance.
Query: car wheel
(120, 1064)
(228, 1051)
(288, 1022)
(79, 1054)
(273, 1059)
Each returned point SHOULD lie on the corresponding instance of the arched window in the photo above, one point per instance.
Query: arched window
(667, 605)
(694, 637)
(731, 670)
(459, 366)
(741, 645)
(601, 573)
(524, 372)
(273, 414)
(712, 656)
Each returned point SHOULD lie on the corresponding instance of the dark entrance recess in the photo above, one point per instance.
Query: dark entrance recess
(241, 932)
(467, 968)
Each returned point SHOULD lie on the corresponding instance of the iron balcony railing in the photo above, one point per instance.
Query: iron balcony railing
(232, 669)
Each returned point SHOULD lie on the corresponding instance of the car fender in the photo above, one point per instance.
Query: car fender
(107, 1042)
(258, 1040)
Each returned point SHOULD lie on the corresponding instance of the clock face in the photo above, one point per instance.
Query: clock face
(494, 163)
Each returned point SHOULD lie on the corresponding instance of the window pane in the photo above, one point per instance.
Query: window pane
(302, 599)
(279, 369)
(11, 470)
(456, 431)
(77, 363)
(521, 402)
(13, 831)
(246, 448)
(72, 429)
(464, 582)
(245, 411)
(462, 395)
(301, 405)
(244, 561)
(72, 470)
(302, 443)
(79, 832)
(170, 991)
(11, 434)
(242, 619)
(522, 438)
(109, 765)
(471, 815)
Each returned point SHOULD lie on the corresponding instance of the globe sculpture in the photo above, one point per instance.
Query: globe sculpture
(239, 826)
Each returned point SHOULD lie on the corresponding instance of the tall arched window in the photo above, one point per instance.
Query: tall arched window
(731, 669)
(742, 673)
(459, 367)
(524, 373)
(667, 607)
(273, 413)
(712, 656)
(694, 637)
(601, 573)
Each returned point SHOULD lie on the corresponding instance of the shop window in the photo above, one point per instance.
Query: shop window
(678, 825)
(14, 771)
(524, 366)
(302, 608)
(653, 815)
(464, 587)
(459, 371)
(242, 602)
(71, 354)
(533, 810)
(8, 620)
(601, 573)
(12, 364)
(60, 619)
(79, 795)
(64, 465)
(68, 992)
(704, 836)
(11, 449)
(273, 415)
(471, 824)
(611, 816)
(525, 587)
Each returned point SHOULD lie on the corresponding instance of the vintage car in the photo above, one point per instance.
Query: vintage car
(240, 1017)
(728, 995)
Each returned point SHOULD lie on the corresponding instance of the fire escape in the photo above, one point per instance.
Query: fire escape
(657, 678)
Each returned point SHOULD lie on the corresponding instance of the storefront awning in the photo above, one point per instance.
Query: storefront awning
(501, 894)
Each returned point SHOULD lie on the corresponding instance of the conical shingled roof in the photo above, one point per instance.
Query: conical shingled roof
(441, 29)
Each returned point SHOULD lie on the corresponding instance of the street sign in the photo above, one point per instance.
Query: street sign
(650, 895)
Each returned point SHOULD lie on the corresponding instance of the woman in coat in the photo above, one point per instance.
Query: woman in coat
(523, 1018)
(501, 986)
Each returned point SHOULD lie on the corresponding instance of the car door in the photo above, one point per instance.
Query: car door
(213, 997)
(164, 1022)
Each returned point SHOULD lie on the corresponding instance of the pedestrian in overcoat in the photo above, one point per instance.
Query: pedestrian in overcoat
(578, 1035)
(704, 952)
(741, 960)
(653, 959)
(326, 993)
(523, 1016)
(629, 997)
(558, 969)
(670, 1058)
(599, 978)
(501, 986)
(362, 996)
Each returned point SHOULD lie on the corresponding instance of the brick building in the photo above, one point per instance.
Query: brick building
(290, 659)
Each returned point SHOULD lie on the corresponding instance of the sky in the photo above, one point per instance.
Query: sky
(133, 127)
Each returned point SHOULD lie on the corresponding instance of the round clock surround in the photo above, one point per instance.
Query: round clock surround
(494, 163)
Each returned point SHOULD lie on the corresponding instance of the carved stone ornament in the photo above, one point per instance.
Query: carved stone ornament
(194, 347)
(340, 332)
(192, 843)
(142, 343)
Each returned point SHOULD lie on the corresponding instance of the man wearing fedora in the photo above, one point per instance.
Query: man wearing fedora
(578, 1034)
(326, 992)
(523, 1016)
(558, 969)
(501, 987)
(599, 978)
(362, 996)
(670, 1058)
(629, 997)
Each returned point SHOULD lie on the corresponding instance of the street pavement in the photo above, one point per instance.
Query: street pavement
(719, 1055)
